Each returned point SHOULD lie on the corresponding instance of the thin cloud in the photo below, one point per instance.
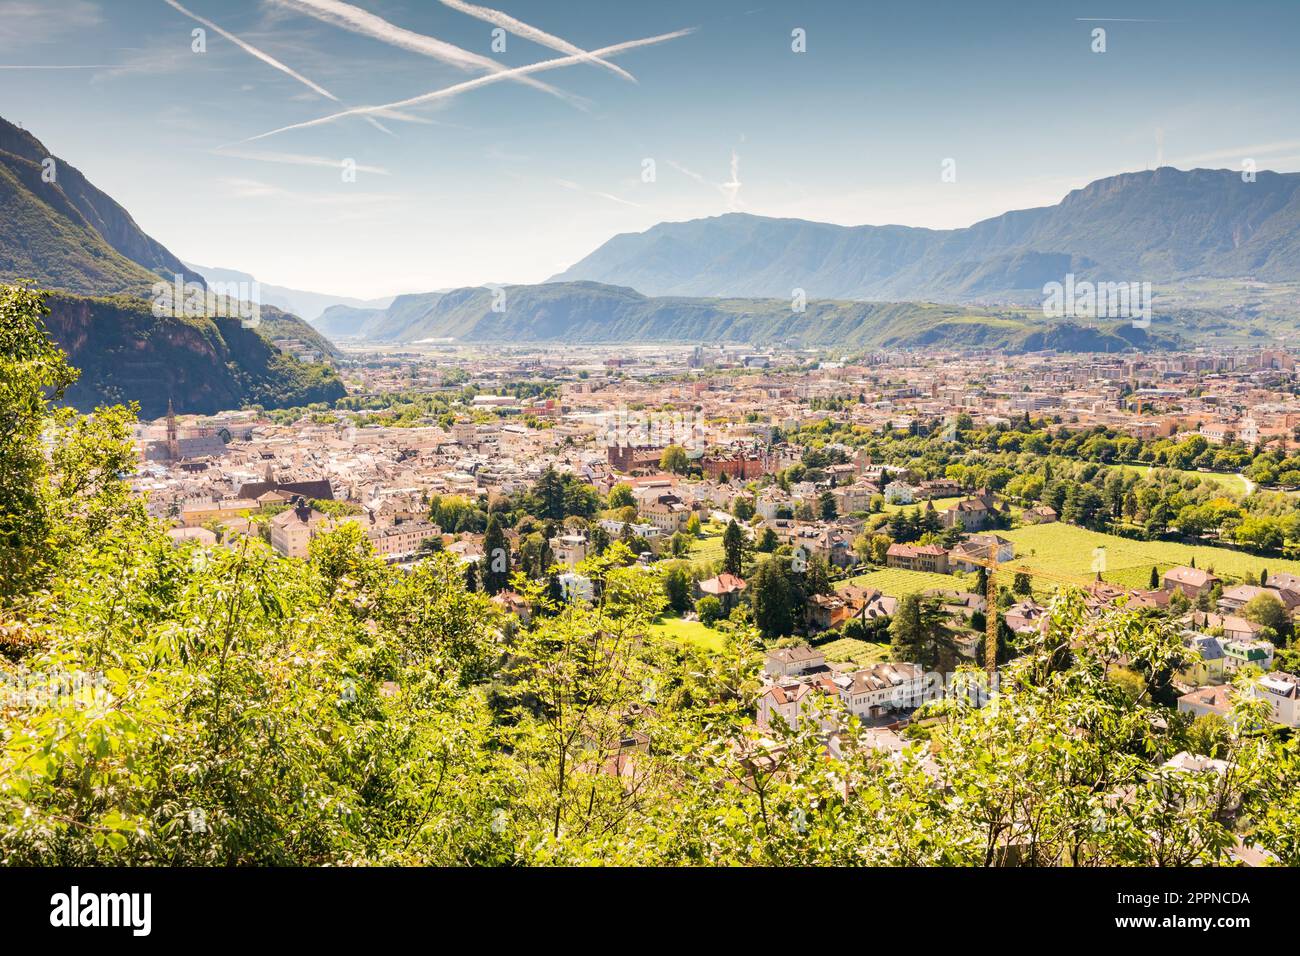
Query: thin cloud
(243, 188)
(731, 188)
(353, 18)
(297, 159)
(1242, 152)
(28, 23)
(457, 89)
(569, 184)
(526, 32)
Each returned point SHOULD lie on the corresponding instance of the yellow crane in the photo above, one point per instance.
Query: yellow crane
(991, 565)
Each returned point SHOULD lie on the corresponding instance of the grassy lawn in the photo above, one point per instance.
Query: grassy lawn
(689, 632)
(897, 582)
(1233, 483)
(1065, 550)
(862, 653)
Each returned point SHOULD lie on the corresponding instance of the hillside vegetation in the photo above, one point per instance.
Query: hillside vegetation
(203, 365)
(588, 312)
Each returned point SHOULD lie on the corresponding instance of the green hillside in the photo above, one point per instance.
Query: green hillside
(588, 312)
(204, 365)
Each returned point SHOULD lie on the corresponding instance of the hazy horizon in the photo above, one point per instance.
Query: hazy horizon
(508, 182)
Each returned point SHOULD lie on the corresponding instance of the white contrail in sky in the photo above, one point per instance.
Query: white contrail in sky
(254, 51)
(353, 18)
(296, 159)
(272, 61)
(526, 32)
(474, 84)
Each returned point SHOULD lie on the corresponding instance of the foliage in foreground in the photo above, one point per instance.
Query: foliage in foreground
(167, 705)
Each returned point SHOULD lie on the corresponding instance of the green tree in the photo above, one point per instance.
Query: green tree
(1267, 610)
(674, 459)
(709, 609)
(920, 633)
(677, 588)
(32, 371)
(773, 599)
(620, 496)
(496, 557)
(733, 549)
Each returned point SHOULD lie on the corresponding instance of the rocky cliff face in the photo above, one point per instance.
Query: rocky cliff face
(125, 353)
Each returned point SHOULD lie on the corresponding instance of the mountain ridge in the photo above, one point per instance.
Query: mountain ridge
(592, 313)
(61, 233)
(1160, 225)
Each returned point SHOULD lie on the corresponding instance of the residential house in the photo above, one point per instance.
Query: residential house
(825, 611)
(789, 661)
(1210, 668)
(867, 604)
(979, 549)
(667, 512)
(399, 540)
(569, 549)
(914, 557)
(938, 488)
(899, 493)
(1238, 652)
(1043, 514)
(1207, 700)
(1024, 617)
(792, 699)
(874, 691)
(725, 587)
(293, 530)
(1282, 691)
(1193, 582)
(972, 514)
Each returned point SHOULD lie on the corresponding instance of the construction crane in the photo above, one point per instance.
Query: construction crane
(991, 566)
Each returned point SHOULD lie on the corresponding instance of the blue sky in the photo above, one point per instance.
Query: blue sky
(510, 182)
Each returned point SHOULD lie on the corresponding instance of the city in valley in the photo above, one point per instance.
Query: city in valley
(1161, 482)
(750, 437)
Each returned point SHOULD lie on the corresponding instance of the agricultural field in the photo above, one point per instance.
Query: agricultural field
(708, 547)
(852, 650)
(1069, 552)
(897, 582)
(689, 632)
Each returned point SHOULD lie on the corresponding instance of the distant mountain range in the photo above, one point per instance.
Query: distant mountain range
(64, 234)
(726, 279)
(307, 305)
(1161, 226)
(592, 313)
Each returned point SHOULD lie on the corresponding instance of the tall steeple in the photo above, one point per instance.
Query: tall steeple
(173, 443)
